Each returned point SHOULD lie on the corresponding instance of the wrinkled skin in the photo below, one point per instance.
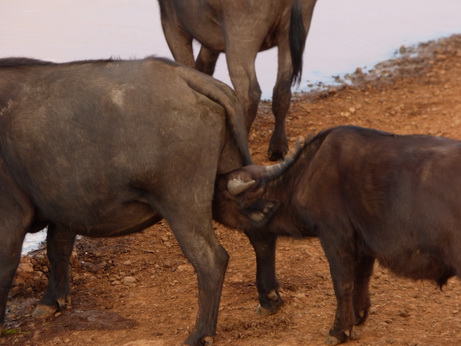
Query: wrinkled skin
(367, 195)
(106, 148)
(241, 29)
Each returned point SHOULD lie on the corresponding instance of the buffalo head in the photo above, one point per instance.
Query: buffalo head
(241, 197)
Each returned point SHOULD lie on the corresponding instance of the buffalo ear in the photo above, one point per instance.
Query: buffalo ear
(261, 211)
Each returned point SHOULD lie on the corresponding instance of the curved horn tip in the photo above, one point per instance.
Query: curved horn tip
(237, 186)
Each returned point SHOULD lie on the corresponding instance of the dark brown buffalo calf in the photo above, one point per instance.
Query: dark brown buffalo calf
(367, 195)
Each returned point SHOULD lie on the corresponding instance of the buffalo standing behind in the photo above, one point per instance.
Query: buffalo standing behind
(241, 29)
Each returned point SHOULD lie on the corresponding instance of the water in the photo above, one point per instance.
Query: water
(32, 241)
(345, 34)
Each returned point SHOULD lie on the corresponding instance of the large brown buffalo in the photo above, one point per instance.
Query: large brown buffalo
(367, 195)
(241, 29)
(105, 148)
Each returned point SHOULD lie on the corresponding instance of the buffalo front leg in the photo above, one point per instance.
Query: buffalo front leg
(179, 41)
(240, 57)
(60, 243)
(266, 279)
(209, 259)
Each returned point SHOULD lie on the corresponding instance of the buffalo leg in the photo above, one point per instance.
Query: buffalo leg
(240, 57)
(60, 243)
(266, 280)
(12, 233)
(16, 217)
(281, 98)
(243, 76)
(342, 269)
(178, 40)
(201, 247)
(206, 61)
(361, 288)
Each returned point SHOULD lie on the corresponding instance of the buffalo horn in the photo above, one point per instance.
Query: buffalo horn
(274, 170)
(237, 186)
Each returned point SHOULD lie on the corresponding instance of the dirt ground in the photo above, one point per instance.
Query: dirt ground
(140, 290)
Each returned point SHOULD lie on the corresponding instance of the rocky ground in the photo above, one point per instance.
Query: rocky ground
(140, 290)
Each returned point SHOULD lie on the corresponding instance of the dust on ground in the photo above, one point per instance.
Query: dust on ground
(140, 290)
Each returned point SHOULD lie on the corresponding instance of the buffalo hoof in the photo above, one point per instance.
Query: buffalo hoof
(277, 149)
(343, 337)
(44, 311)
(205, 341)
(361, 317)
(274, 302)
(275, 155)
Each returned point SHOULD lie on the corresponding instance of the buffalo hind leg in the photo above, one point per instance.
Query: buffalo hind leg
(342, 268)
(362, 302)
(209, 259)
(60, 243)
(281, 98)
(266, 281)
(206, 61)
(10, 255)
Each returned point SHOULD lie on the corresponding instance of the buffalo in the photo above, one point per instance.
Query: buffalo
(110, 147)
(241, 29)
(367, 195)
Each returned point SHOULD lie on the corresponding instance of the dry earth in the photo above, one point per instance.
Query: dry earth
(140, 290)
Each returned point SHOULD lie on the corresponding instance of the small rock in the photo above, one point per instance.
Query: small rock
(36, 335)
(129, 280)
(404, 313)
(183, 267)
(25, 267)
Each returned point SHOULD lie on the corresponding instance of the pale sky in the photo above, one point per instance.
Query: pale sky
(345, 34)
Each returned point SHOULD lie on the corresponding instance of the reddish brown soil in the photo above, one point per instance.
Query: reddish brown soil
(140, 290)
